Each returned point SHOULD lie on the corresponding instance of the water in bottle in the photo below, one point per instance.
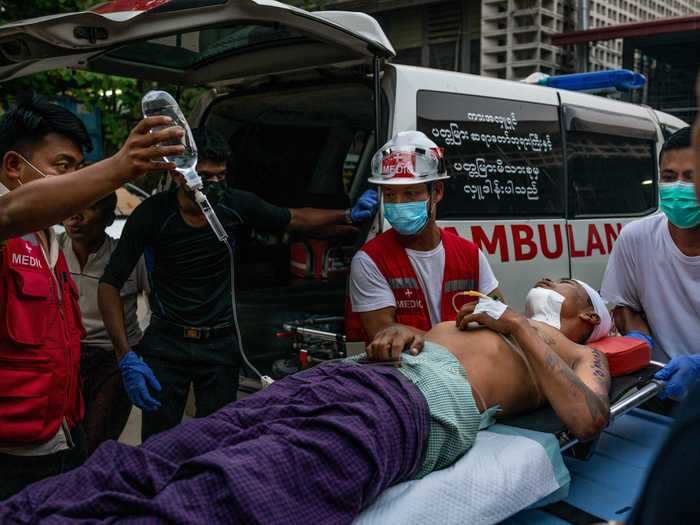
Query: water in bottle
(161, 103)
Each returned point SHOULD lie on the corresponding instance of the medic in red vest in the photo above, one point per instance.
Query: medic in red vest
(410, 277)
(40, 337)
(40, 323)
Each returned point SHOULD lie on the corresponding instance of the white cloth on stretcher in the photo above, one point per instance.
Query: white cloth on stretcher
(507, 470)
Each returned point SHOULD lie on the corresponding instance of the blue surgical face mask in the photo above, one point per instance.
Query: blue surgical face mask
(678, 201)
(407, 218)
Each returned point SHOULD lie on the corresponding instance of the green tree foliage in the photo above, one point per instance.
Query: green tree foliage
(118, 98)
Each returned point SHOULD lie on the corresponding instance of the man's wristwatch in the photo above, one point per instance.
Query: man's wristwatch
(348, 216)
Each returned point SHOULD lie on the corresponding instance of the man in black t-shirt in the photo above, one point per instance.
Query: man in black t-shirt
(191, 336)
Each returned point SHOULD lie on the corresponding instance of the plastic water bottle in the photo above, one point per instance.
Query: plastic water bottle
(161, 103)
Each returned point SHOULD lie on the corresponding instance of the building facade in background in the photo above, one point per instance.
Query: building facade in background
(603, 13)
(504, 38)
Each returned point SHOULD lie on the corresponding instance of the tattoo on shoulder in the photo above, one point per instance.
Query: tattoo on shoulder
(544, 335)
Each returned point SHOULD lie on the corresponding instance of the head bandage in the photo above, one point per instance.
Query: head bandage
(602, 329)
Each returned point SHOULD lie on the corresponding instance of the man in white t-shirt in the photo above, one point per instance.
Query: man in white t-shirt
(412, 276)
(653, 274)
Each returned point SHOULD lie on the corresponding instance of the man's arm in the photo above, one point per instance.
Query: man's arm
(42, 203)
(377, 320)
(112, 310)
(265, 216)
(315, 220)
(139, 380)
(620, 287)
(488, 284)
(373, 300)
(306, 220)
(627, 320)
(128, 253)
(578, 393)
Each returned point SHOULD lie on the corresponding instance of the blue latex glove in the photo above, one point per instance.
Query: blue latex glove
(680, 374)
(138, 376)
(365, 207)
(642, 337)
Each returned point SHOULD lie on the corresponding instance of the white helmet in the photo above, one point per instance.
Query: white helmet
(408, 158)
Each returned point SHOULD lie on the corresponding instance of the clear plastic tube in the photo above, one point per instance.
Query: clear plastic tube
(209, 213)
(264, 380)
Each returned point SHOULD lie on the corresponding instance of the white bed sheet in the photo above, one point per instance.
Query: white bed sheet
(506, 471)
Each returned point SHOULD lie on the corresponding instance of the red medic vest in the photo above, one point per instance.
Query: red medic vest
(461, 273)
(40, 333)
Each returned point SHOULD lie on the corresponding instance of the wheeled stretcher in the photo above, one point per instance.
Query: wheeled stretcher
(522, 462)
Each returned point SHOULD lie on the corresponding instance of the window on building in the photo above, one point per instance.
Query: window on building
(504, 157)
(610, 174)
(428, 37)
(444, 56)
(404, 28)
(475, 56)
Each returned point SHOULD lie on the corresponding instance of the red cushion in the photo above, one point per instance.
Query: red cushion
(625, 354)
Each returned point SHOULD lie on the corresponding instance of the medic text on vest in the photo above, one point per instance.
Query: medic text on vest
(26, 260)
(529, 241)
(408, 302)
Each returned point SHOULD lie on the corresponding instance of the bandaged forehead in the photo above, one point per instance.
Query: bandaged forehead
(602, 329)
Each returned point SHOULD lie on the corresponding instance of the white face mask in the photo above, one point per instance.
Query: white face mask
(544, 305)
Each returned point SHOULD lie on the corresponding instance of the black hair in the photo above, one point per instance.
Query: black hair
(107, 206)
(33, 117)
(211, 145)
(679, 140)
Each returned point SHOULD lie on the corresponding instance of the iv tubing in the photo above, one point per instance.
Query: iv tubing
(234, 308)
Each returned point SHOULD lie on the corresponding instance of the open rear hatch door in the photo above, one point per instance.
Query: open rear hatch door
(190, 41)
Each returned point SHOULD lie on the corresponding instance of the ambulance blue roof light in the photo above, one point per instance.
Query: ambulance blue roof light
(621, 79)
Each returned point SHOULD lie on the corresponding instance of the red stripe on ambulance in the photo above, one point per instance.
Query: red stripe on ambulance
(530, 241)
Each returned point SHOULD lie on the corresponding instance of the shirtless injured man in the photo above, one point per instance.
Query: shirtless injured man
(322, 444)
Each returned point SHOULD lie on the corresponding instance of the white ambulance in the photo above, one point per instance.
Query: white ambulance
(541, 179)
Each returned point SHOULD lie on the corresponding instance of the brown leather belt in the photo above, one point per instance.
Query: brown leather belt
(196, 333)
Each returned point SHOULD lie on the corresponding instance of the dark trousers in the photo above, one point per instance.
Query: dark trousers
(670, 494)
(175, 363)
(16, 472)
(107, 406)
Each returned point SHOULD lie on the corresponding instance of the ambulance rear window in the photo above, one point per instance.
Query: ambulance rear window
(504, 157)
